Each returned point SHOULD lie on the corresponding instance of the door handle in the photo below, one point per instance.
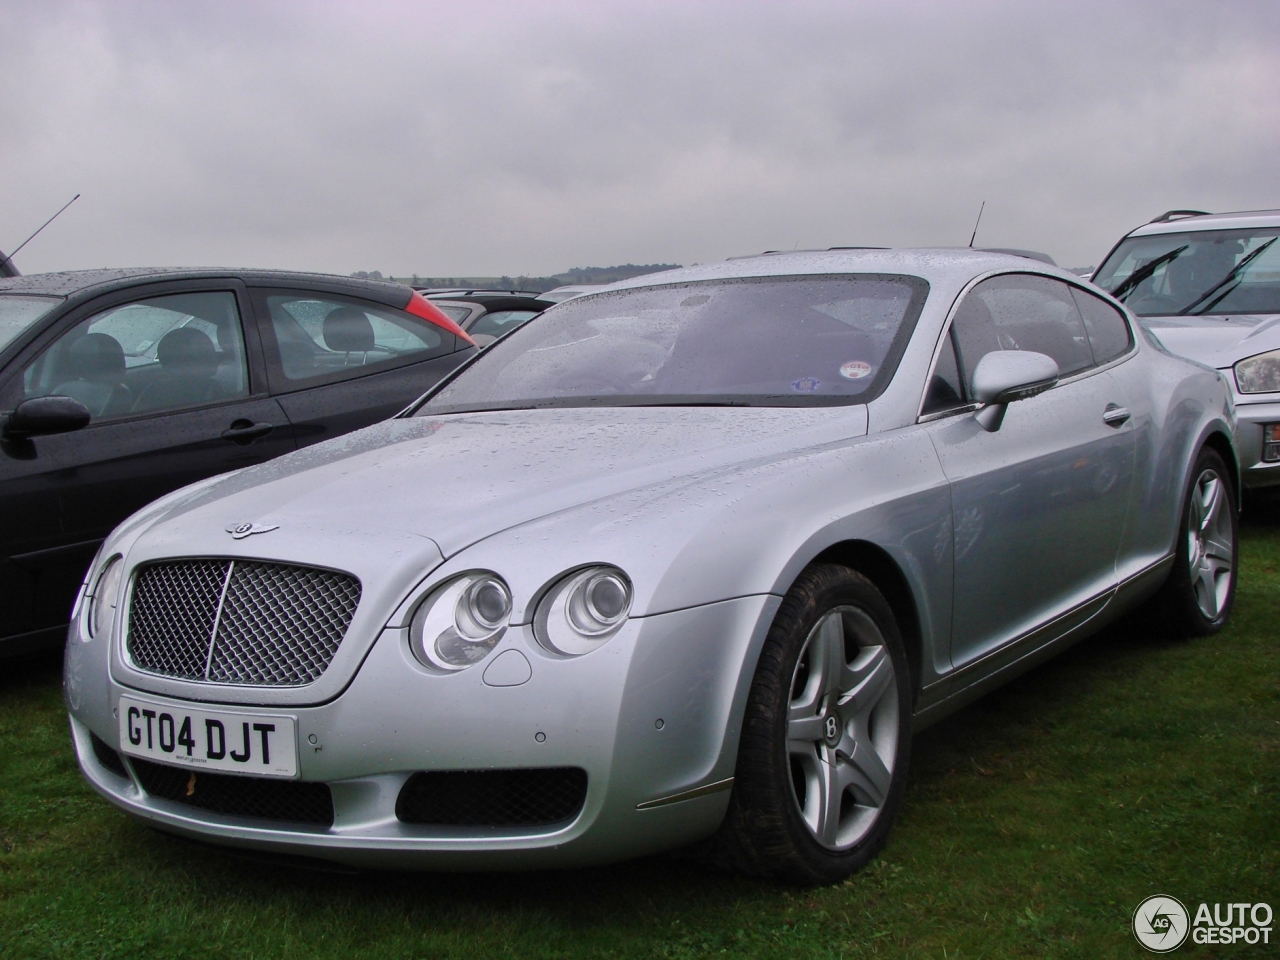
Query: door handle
(246, 431)
(1115, 415)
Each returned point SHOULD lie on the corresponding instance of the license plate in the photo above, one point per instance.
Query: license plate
(261, 745)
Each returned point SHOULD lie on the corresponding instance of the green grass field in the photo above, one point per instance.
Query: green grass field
(1035, 822)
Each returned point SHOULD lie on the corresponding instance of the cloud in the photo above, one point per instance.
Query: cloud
(526, 138)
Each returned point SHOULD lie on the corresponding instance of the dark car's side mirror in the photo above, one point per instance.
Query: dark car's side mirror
(41, 416)
(1004, 376)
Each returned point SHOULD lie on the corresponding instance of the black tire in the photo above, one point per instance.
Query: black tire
(1182, 608)
(766, 831)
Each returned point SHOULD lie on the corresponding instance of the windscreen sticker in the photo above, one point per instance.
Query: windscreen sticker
(805, 384)
(855, 370)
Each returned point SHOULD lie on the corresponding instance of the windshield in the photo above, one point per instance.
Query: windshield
(19, 313)
(777, 341)
(1206, 272)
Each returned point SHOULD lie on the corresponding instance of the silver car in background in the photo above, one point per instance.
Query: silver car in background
(1208, 287)
(687, 560)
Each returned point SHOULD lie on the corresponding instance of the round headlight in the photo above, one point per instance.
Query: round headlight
(102, 603)
(486, 606)
(459, 623)
(583, 610)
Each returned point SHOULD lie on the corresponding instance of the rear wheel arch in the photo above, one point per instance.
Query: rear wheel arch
(876, 564)
(1223, 447)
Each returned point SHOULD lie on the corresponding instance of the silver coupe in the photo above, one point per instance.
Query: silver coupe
(685, 560)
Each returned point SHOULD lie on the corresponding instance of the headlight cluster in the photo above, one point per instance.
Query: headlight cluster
(103, 597)
(583, 610)
(460, 622)
(1260, 374)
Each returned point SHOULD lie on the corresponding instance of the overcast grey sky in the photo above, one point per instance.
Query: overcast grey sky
(525, 138)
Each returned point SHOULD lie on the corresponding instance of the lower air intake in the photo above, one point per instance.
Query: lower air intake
(292, 801)
(108, 757)
(493, 798)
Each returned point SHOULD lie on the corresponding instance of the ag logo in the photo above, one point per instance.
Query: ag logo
(242, 530)
(1160, 923)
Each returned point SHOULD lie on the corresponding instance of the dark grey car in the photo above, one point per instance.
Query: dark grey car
(117, 386)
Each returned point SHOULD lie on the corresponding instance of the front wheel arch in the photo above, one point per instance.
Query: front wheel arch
(875, 563)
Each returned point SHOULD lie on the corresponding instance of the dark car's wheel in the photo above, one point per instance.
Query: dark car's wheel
(1196, 599)
(823, 758)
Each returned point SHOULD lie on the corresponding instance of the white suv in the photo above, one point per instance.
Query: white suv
(1208, 287)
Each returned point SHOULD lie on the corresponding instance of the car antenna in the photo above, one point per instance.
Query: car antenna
(9, 258)
(973, 236)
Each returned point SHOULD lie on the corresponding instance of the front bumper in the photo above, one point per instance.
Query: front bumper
(652, 717)
(1255, 473)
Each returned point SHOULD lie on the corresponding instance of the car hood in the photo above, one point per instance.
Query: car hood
(1216, 341)
(458, 479)
(389, 504)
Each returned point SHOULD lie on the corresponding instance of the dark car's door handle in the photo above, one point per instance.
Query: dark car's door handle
(1115, 415)
(246, 431)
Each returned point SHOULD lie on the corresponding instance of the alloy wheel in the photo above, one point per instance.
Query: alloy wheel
(1210, 543)
(842, 727)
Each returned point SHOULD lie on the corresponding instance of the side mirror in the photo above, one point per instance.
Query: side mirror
(1004, 376)
(41, 416)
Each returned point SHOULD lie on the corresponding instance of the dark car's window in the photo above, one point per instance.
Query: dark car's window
(1108, 331)
(18, 313)
(1197, 272)
(147, 356)
(1021, 312)
(769, 342)
(946, 389)
(454, 311)
(318, 336)
(497, 322)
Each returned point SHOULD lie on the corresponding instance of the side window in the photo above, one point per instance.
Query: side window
(1021, 312)
(497, 322)
(454, 311)
(946, 389)
(319, 337)
(147, 356)
(1108, 332)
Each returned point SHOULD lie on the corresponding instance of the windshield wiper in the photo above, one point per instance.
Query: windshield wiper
(1234, 272)
(1143, 272)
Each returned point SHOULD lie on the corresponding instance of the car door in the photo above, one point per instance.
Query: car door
(1039, 505)
(337, 363)
(177, 392)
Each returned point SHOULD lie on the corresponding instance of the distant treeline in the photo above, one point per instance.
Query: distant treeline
(576, 275)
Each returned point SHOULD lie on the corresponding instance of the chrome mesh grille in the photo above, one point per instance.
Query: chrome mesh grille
(239, 621)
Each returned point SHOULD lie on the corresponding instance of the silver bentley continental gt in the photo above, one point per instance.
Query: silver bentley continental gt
(688, 559)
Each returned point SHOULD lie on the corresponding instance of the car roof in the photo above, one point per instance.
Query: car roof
(492, 302)
(470, 293)
(85, 283)
(1240, 220)
(941, 265)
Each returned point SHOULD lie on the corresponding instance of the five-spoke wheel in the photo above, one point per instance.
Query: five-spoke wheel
(842, 727)
(1197, 597)
(1211, 543)
(826, 737)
